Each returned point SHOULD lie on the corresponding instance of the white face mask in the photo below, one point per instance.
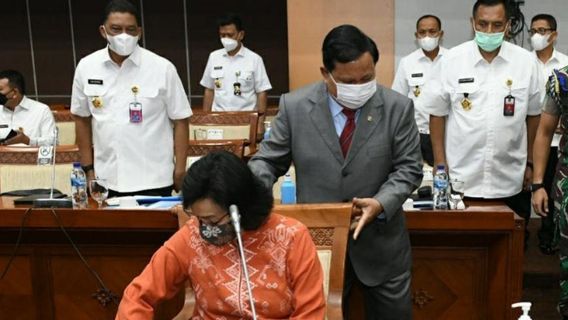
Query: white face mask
(229, 44)
(354, 96)
(539, 41)
(122, 44)
(428, 43)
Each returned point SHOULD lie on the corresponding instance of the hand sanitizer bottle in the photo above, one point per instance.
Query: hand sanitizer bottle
(526, 306)
(288, 190)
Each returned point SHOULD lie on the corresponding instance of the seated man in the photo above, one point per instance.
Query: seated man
(235, 78)
(33, 121)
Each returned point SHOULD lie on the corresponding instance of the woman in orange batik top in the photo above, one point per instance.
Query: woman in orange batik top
(285, 273)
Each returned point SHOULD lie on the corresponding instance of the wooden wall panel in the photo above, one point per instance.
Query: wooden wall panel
(15, 52)
(87, 17)
(52, 46)
(164, 32)
(53, 24)
(310, 21)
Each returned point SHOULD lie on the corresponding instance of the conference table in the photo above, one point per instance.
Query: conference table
(466, 264)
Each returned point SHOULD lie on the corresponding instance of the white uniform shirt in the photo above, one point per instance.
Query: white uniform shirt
(413, 72)
(34, 117)
(223, 71)
(484, 148)
(131, 156)
(558, 60)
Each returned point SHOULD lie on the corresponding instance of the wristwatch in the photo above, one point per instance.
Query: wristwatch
(536, 186)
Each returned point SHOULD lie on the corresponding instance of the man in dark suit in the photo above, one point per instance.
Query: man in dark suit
(353, 140)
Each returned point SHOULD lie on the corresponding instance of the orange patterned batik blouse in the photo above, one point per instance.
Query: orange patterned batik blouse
(286, 276)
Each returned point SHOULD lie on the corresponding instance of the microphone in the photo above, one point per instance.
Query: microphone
(236, 219)
(51, 202)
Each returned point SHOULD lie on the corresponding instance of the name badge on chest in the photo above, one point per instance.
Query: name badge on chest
(509, 102)
(135, 107)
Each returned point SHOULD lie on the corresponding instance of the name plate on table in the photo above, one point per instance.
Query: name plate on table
(44, 155)
(215, 134)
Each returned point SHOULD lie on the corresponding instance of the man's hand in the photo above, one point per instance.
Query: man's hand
(19, 138)
(540, 202)
(527, 180)
(178, 179)
(364, 211)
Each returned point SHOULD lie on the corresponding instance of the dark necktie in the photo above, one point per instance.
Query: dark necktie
(347, 133)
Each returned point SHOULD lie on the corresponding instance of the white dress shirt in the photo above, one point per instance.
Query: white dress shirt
(413, 72)
(484, 148)
(34, 117)
(131, 156)
(223, 70)
(558, 60)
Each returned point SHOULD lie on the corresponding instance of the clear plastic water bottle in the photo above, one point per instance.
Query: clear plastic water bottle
(288, 190)
(267, 127)
(78, 187)
(441, 188)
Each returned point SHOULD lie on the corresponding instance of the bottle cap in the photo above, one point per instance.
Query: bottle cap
(76, 164)
(441, 167)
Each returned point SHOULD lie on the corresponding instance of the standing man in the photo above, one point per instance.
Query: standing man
(555, 109)
(352, 140)
(235, 78)
(543, 36)
(414, 71)
(485, 110)
(130, 109)
(33, 121)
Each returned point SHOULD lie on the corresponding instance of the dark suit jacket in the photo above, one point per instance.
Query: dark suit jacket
(384, 162)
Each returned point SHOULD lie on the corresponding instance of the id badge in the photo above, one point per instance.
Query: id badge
(135, 110)
(509, 106)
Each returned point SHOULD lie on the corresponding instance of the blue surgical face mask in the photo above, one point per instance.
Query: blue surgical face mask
(489, 42)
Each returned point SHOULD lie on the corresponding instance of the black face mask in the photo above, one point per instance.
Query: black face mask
(219, 234)
(3, 99)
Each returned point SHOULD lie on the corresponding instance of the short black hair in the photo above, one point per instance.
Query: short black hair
(492, 3)
(15, 80)
(122, 6)
(549, 18)
(228, 19)
(346, 43)
(426, 16)
(224, 178)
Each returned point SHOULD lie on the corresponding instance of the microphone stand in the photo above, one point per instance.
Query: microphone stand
(51, 202)
(236, 219)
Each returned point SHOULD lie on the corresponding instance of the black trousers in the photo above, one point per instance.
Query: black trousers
(388, 301)
(159, 192)
(426, 149)
(546, 231)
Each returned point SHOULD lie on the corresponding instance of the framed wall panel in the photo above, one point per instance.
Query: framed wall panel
(16, 50)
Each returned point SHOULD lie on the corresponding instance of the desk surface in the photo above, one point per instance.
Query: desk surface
(477, 216)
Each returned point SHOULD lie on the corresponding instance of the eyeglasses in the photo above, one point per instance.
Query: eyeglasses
(541, 31)
(206, 221)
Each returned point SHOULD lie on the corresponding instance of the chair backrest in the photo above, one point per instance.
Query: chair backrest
(329, 227)
(64, 121)
(198, 148)
(225, 126)
(19, 169)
